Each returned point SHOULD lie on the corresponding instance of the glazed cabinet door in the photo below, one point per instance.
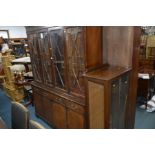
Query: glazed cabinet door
(56, 36)
(35, 57)
(114, 114)
(76, 58)
(45, 57)
(75, 120)
(118, 101)
(124, 83)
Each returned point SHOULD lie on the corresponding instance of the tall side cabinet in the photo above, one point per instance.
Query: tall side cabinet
(82, 75)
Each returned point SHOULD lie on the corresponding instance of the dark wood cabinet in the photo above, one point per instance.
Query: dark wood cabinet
(111, 86)
(60, 58)
(82, 75)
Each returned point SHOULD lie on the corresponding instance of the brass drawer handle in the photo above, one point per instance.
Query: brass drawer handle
(73, 106)
(59, 99)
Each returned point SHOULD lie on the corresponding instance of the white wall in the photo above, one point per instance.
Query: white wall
(15, 31)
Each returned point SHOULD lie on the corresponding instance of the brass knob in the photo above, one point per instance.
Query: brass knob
(126, 82)
(114, 85)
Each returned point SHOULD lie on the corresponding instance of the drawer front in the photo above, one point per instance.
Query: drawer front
(50, 96)
(74, 106)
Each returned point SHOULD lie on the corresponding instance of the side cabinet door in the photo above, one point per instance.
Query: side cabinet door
(123, 99)
(115, 104)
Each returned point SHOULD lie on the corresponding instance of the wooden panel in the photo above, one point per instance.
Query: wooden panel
(75, 120)
(93, 46)
(37, 98)
(96, 105)
(131, 105)
(47, 109)
(118, 45)
(59, 116)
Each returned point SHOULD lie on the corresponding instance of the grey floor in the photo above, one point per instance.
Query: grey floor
(144, 120)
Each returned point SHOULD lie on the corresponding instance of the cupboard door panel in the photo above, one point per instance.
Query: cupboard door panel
(47, 109)
(38, 103)
(76, 58)
(59, 116)
(75, 120)
(57, 49)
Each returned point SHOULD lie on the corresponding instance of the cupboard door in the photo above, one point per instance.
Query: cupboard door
(75, 120)
(38, 103)
(45, 58)
(75, 57)
(59, 116)
(57, 49)
(115, 104)
(47, 109)
(35, 57)
(123, 100)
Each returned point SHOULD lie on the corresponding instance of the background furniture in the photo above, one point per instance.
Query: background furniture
(150, 47)
(16, 93)
(146, 87)
(64, 59)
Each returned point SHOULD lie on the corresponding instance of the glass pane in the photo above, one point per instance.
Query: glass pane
(45, 56)
(75, 56)
(35, 57)
(57, 47)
